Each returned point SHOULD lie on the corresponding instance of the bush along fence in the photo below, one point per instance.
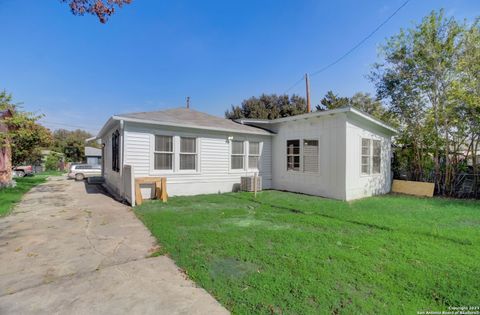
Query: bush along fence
(461, 181)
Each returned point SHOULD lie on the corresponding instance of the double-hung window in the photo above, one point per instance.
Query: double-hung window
(310, 156)
(253, 155)
(293, 155)
(371, 156)
(188, 153)
(163, 155)
(376, 156)
(366, 148)
(238, 155)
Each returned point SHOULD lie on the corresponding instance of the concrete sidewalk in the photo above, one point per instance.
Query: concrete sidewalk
(69, 249)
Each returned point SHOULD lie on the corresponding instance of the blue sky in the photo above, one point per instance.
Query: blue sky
(152, 54)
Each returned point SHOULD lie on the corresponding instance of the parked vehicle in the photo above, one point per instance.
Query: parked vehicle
(82, 171)
(22, 170)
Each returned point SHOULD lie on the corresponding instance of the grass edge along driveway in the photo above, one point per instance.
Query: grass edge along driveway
(295, 254)
(10, 196)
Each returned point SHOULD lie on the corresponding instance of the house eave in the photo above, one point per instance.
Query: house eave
(153, 122)
(320, 114)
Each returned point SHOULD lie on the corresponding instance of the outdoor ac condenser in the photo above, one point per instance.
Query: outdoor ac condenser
(247, 183)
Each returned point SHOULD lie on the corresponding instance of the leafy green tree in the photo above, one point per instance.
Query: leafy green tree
(332, 101)
(52, 161)
(26, 136)
(421, 79)
(268, 107)
(71, 143)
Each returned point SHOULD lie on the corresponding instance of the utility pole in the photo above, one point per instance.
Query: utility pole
(307, 84)
(188, 102)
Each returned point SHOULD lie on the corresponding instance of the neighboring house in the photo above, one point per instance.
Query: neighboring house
(342, 154)
(5, 151)
(93, 156)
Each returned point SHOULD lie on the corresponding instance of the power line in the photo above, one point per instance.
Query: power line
(295, 84)
(67, 125)
(360, 42)
(351, 49)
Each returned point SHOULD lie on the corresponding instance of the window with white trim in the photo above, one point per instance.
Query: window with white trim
(366, 149)
(188, 153)
(238, 155)
(163, 153)
(293, 155)
(310, 155)
(253, 155)
(376, 156)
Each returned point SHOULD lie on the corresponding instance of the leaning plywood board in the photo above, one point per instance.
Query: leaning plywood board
(413, 188)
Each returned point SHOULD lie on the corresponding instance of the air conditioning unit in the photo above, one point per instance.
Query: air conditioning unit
(247, 183)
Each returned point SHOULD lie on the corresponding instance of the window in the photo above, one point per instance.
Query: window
(116, 151)
(376, 156)
(310, 155)
(254, 155)
(163, 155)
(188, 153)
(293, 155)
(237, 155)
(366, 156)
(371, 156)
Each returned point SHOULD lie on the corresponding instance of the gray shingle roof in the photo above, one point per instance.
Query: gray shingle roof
(191, 118)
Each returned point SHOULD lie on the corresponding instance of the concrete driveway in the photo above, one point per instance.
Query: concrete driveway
(69, 249)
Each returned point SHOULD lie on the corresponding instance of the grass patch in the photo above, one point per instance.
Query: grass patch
(10, 196)
(53, 173)
(295, 254)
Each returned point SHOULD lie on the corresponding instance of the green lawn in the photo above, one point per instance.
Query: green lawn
(10, 196)
(287, 253)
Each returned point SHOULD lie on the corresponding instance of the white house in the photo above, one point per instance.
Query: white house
(93, 156)
(342, 154)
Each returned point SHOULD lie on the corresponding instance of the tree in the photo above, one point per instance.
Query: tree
(268, 107)
(71, 143)
(103, 9)
(52, 161)
(368, 104)
(332, 101)
(26, 136)
(421, 79)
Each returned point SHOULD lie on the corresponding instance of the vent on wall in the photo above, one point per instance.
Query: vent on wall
(247, 183)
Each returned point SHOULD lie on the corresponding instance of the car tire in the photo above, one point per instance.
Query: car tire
(20, 173)
(79, 177)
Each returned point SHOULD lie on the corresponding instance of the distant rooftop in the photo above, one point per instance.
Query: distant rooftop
(91, 151)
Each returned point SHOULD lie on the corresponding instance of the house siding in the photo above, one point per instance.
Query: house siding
(113, 179)
(213, 174)
(358, 185)
(329, 181)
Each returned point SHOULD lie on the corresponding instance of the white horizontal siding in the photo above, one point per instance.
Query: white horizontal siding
(214, 174)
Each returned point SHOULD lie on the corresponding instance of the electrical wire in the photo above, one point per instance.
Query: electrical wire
(360, 43)
(67, 125)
